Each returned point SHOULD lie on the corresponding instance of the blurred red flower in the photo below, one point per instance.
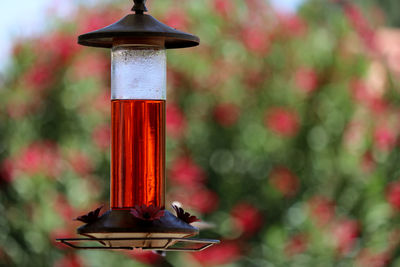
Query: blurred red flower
(39, 157)
(90, 65)
(254, 78)
(6, 170)
(384, 138)
(202, 200)
(60, 47)
(146, 257)
(223, 253)
(17, 109)
(175, 121)
(322, 209)
(218, 78)
(345, 233)
(388, 40)
(282, 121)
(17, 48)
(379, 105)
(246, 218)
(223, 7)
(69, 260)
(102, 136)
(360, 91)
(360, 25)
(367, 258)
(353, 134)
(306, 79)
(101, 103)
(80, 162)
(297, 244)
(368, 163)
(255, 6)
(284, 180)
(63, 208)
(367, 96)
(256, 39)
(176, 18)
(393, 195)
(39, 76)
(197, 198)
(292, 24)
(89, 20)
(184, 171)
(175, 78)
(226, 114)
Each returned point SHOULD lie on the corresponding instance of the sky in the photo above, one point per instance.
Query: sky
(27, 17)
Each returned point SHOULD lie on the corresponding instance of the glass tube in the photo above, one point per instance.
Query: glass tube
(138, 94)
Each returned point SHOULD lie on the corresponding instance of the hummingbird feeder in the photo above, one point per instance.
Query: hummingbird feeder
(138, 218)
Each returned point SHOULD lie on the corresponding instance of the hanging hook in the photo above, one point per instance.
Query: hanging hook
(139, 6)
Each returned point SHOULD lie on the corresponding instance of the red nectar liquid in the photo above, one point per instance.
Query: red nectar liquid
(137, 153)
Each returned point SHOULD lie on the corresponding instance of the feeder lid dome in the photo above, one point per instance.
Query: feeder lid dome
(138, 26)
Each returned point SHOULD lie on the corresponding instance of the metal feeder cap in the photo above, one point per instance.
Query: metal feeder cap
(138, 26)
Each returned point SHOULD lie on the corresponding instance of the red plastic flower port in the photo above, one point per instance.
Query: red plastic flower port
(185, 216)
(147, 213)
(91, 217)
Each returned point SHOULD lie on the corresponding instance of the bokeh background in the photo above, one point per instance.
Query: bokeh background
(283, 134)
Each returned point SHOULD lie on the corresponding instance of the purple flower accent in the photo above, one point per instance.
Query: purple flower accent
(91, 217)
(185, 216)
(147, 213)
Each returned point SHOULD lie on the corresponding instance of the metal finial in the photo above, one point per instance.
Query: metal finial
(139, 7)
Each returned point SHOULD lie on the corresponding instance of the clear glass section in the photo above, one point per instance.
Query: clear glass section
(138, 73)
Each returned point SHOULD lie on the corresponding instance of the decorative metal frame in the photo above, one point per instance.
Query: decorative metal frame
(206, 243)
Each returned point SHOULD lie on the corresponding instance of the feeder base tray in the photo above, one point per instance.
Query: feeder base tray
(152, 243)
(119, 223)
(137, 240)
(118, 229)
